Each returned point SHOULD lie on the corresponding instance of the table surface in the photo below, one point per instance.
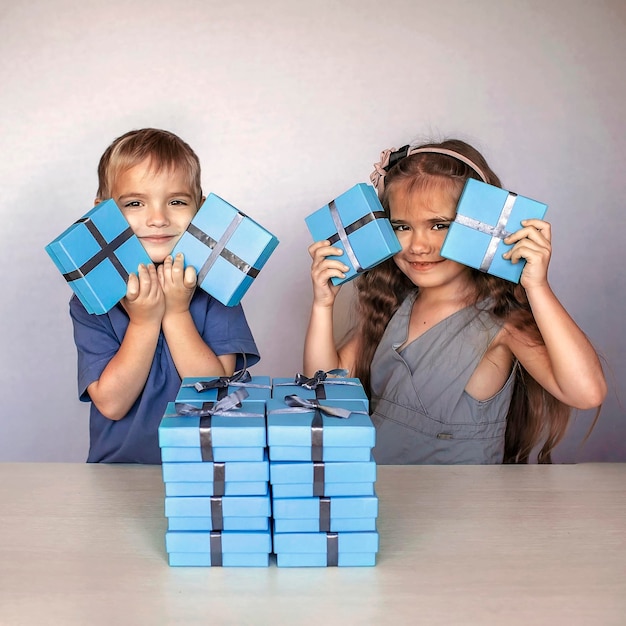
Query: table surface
(84, 544)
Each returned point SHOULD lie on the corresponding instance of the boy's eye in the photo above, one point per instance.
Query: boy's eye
(132, 203)
(179, 203)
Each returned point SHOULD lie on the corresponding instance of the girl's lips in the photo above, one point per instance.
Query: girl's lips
(423, 265)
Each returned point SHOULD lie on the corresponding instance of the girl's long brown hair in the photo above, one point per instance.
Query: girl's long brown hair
(535, 418)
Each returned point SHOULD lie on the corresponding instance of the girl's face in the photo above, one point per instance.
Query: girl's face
(421, 219)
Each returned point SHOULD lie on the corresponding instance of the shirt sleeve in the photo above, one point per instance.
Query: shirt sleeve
(226, 331)
(96, 344)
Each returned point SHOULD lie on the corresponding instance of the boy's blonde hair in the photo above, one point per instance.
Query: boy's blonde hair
(166, 151)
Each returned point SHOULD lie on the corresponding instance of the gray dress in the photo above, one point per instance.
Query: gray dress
(420, 408)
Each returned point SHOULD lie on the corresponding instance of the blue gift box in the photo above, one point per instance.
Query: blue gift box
(196, 390)
(230, 523)
(322, 386)
(220, 506)
(234, 471)
(308, 489)
(232, 559)
(233, 488)
(227, 249)
(96, 254)
(298, 433)
(328, 514)
(355, 222)
(486, 215)
(235, 434)
(326, 549)
(219, 548)
(356, 477)
(344, 524)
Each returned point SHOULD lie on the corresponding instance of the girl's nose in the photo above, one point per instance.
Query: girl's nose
(419, 243)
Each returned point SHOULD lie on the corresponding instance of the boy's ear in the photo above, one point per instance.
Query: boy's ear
(97, 201)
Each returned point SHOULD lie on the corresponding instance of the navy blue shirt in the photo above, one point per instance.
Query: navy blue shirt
(134, 438)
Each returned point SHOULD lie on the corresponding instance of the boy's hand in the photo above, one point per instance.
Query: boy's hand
(144, 301)
(322, 270)
(178, 284)
(533, 243)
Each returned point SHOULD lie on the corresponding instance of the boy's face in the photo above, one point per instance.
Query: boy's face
(157, 205)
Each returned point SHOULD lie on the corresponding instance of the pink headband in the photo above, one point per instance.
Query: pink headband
(377, 177)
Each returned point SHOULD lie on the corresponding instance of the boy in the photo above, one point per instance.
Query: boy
(131, 360)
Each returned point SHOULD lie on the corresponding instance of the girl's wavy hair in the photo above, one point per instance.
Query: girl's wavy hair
(535, 417)
(165, 150)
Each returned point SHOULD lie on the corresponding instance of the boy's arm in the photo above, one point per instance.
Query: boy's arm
(125, 375)
(190, 353)
(568, 367)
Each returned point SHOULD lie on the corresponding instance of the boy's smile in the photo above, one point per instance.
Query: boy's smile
(157, 204)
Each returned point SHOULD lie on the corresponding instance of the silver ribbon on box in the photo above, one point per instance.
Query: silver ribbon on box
(241, 378)
(344, 231)
(107, 251)
(318, 380)
(497, 232)
(223, 408)
(218, 248)
(296, 404)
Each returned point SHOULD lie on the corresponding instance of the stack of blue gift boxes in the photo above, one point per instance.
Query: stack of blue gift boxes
(322, 473)
(216, 473)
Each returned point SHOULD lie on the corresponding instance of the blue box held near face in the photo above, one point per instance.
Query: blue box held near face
(485, 216)
(227, 248)
(355, 222)
(96, 254)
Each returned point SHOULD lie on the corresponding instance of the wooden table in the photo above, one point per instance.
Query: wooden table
(84, 544)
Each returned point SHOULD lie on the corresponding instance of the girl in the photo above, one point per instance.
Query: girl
(460, 366)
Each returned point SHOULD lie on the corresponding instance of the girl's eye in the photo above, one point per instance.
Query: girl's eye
(443, 226)
(179, 203)
(400, 227)
(132, 204)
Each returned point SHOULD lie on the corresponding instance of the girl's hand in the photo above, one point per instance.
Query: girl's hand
(144, 301)
(178, 284)
(322, 270)
(533, 243)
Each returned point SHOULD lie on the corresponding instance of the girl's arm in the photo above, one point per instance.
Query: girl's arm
(320, 351)
(125, 375)
(191, 355)
(568, 367)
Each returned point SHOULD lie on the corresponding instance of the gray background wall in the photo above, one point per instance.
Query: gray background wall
(288, 104)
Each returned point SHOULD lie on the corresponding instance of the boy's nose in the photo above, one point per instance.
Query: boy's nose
(157, 216)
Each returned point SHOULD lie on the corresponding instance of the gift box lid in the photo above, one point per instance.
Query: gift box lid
(307, 490)
(96, 254)
(224, 506)
(486, 215)
(196, 390)
(307, 543)
(298, 472)
(321, 386)
(355, 222)
(208, 472)
(235, 427)
(292, 425)
(226, 541)
(231, 488)
(227, 248)
(331, 508)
